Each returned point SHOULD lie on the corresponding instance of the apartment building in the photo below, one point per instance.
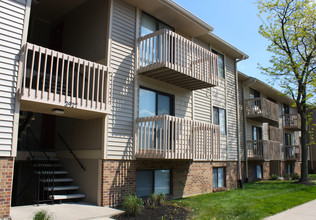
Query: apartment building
(269, 131)
(102, 98)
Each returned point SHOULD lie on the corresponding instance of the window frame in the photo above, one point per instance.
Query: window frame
(218, 121)
(223, 58)
(224, 177)
(171, 96)
(256, 173)
(258, 129)
(153, 180)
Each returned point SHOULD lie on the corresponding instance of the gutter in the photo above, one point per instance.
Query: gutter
(186, 13)
(238, 122)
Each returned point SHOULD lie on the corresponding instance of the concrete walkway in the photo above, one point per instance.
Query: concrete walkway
(305, 211)
(65, 211)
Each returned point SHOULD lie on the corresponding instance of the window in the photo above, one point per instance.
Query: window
(257, 172)
(219, 118)
(220, 63)
(153, 103)
(289, 169)
(256, 133)
(218, 177)
(254, 94)
(152, 181)
(150, 25)
(286, 109)
(288, 139)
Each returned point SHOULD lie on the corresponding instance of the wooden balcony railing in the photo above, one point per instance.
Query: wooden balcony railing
(58, 79)
(169, 137)
(292, 152)
(263, 150)
(292, 122)
(169, 57)
(276, 134)
(262, 110)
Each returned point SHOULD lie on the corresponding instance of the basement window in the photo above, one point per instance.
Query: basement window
(152, 181)
(257, 172)
(218, 177)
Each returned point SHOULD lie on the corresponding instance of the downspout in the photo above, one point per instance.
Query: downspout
(250, 82)
(238, 125)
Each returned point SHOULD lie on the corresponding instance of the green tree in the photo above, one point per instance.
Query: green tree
(290, 26)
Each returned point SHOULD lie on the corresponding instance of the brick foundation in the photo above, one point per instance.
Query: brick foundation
(187, 177)
(6, 176)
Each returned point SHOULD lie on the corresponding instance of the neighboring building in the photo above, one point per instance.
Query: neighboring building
(312, 141)
(102, 98)
(269, 131)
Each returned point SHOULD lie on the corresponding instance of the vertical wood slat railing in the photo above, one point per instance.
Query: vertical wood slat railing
(255, 149)
(262, 107)
(165, 48)
(170, 137)
(292, 121)
(60, 79)
(293, 152)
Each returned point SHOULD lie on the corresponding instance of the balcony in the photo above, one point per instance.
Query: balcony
(292, 122)
(262, 110)
(169, 137)
(52, 79)
(263, 150)
(292, 152)
(169, 57)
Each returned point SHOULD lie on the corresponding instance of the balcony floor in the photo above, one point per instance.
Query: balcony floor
(174, 77)
(260, 118)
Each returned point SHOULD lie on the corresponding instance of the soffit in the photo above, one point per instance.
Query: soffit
(171, 16)
(50, 10)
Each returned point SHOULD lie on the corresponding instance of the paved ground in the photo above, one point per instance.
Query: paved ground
(65, 211)
(305, 211)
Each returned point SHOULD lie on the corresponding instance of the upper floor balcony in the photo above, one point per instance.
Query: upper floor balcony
(169, 137)
(52, 79)
(262, 110)
(263, 150)
(169, 57)
(292, 152)
(292, 122)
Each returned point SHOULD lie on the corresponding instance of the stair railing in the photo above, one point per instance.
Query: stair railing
(43, 170)
(71, 152)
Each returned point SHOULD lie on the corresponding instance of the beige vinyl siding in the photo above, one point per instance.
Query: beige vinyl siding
(202, 105)
(12, 13)
(120, 123)
(182, 97)
(231, 110)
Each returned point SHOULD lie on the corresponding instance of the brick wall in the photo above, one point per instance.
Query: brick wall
(187, 177)
(6, 176)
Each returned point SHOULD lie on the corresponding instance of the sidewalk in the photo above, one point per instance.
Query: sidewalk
(305, 211)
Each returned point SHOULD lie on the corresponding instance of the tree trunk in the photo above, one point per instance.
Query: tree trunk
(304, 167)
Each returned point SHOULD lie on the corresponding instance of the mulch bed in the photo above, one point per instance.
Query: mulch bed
(165, 212)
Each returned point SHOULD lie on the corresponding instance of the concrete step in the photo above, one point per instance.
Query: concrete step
(58, 172)
(61, 188)
(67, 196)
(57, 180)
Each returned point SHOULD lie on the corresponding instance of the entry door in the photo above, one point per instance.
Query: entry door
(48, 131)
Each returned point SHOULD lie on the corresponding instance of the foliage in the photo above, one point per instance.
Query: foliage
(133, 205)
(43, 215)
(155, 200)
(274, 176)
(287, 176)
(295, 176)
(290, 26)
(256, 201)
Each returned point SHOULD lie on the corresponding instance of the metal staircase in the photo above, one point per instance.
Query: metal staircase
(52, 181)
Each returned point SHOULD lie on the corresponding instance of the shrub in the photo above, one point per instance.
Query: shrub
(132, 204)
(295, 176)
(274, 176)
(287, 176)
(155, 200)
(43, 215)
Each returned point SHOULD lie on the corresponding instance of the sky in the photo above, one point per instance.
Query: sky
(237, 23)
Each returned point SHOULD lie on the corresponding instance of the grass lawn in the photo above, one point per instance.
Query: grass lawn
(255, 201)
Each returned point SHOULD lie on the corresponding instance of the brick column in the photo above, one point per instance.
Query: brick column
(6, 177)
